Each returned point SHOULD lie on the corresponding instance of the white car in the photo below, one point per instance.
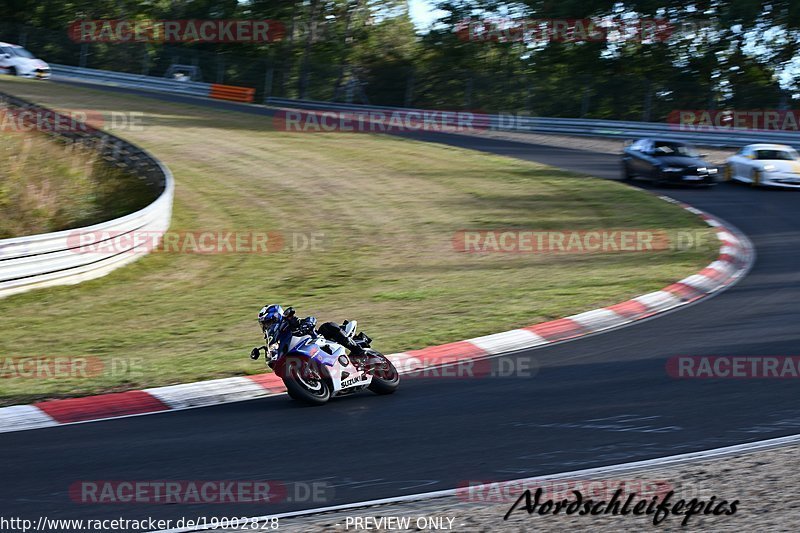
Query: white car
(17, 61)
(774, 165)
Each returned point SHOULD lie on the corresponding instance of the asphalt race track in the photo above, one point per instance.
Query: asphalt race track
(596, 401)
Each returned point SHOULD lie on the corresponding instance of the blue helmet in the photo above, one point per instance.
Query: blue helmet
(270, 317)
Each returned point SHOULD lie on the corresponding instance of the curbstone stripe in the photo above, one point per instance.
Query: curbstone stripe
(735, 258)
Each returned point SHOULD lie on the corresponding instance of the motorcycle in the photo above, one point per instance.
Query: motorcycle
(315, 368)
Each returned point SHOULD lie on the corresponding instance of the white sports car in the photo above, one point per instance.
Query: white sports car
(775, 165)
(17, 61)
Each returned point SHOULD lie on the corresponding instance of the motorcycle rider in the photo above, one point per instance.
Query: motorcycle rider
(280, 326)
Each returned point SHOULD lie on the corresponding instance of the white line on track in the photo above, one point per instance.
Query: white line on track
(588, 473)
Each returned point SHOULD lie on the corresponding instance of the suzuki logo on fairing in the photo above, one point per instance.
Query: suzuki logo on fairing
(354, 380)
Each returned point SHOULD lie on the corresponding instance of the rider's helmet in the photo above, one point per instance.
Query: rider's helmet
(270, 317)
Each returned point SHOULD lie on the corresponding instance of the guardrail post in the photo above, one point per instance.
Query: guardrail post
(145, 60)
(468, 93)
(220, 68)
(83, 56)
(585, 102)
(268, 82)
(409, 96)
(648, 102)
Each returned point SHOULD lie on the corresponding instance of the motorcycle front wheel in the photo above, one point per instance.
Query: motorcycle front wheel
(305, 381)
(385, 377)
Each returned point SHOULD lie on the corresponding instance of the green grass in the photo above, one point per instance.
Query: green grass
(50, 186)
(388, 209)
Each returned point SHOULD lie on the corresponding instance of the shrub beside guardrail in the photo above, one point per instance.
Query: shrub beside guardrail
(51, 259)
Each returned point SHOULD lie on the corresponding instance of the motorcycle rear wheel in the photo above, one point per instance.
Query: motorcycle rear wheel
(385, 377)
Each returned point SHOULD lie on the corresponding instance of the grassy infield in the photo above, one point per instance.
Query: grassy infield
(388, 209)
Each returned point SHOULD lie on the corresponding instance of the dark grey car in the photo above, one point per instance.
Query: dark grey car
(667, 162)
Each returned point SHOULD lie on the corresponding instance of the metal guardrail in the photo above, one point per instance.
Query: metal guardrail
(132, 81)
(616, 129)
(56, 258)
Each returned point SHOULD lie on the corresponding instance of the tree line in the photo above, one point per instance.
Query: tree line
(480, 55)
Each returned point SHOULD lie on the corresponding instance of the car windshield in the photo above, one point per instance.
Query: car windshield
(21, 52)
(777, 155)
(663, 149)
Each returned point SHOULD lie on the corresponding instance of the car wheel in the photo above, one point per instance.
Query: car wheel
(755, 178)
(626, 172)
(12, 71)
(728, 173)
